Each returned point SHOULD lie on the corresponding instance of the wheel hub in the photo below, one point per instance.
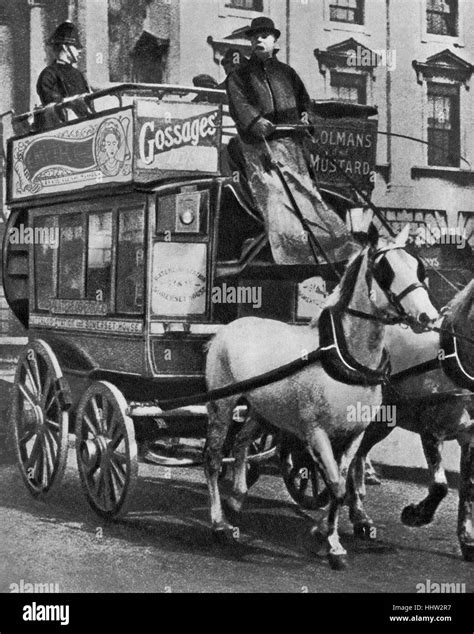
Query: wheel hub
(34, 417)
(94, 450)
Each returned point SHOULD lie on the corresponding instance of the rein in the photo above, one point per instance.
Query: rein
(373, 376)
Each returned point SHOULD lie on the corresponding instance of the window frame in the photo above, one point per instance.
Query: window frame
(431, 11)
(444, 90)
(359, 78)
(229, 4)
(245, 14)
(359, 10)
(85, 306)
(446, 40)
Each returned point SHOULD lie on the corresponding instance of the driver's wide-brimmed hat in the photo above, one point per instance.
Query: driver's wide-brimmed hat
(262, 24)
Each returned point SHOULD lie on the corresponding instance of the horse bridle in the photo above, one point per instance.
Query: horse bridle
(381, 271)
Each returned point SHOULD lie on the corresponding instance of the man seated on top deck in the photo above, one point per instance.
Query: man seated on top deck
(263, 94)
(61, 78)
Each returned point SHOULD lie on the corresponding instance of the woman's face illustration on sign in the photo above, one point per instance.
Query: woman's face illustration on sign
(110, 140)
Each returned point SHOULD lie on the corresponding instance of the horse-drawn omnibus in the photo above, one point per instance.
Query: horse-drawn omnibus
(129, 243)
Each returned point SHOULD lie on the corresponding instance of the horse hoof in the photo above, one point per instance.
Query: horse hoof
(225, 536)
(365, 531)
(467, 552)
(411, 517)
(337, 562)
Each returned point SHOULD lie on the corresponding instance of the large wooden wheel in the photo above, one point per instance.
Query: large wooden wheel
(106, 450)
(40, 418)
(261, 450)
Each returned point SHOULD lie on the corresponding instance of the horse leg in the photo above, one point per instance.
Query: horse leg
(363, 524)
(422, 513)
(248, 433)
(466, 493)
(321, 451)
(220, 417)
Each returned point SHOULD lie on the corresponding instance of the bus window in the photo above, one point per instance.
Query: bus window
(46, 264)
(71, 257)
(99, 257)
(130, 260)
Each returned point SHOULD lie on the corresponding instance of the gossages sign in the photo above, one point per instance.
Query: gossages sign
(175, 138)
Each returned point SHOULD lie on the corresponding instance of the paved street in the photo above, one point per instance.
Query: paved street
(164, 544)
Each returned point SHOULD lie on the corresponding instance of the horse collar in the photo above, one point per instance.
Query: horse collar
(453, 365)
(338, 362)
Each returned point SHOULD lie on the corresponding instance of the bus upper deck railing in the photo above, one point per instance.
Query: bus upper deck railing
(124, 94)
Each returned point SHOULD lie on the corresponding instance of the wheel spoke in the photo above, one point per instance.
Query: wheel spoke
(27, 436)
(105, 414)
(116, 486)
(34, 453)
(48, 457)
(97, 415)
(53, 439)
(106, 491)
(118, 470)
(97, 484)
(27, 394)
(46, 389)
(89, 424)
(117, 440)
(51, 401)
(114, 427)
(39, 468)
(29, 376)
(34, 364)
(53, 424)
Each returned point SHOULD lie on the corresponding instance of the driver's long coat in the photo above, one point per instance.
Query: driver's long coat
(267, 89)
(274, 91)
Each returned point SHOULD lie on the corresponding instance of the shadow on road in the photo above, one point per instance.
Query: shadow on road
(173, 514)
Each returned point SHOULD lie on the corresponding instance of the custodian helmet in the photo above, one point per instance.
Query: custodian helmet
(66, 33)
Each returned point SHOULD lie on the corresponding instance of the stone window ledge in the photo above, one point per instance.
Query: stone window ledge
(446, 173)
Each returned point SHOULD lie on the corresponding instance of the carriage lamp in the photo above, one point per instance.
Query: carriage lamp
(187, 212)
(187, 217)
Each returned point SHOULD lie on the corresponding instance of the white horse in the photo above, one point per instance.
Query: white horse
(422, 408)
(382, 281)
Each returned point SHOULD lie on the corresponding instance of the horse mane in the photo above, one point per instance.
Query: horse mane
(343, 292)
(460, 303)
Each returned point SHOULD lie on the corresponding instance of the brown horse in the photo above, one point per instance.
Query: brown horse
(382, 281)
(423, 408)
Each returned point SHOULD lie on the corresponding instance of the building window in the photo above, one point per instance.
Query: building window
(349, 87)
(443, 125)
(442, 17)
(149, 59)
(245, 5)
(347, 11)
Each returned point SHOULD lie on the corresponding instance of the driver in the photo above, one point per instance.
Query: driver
(265, 93)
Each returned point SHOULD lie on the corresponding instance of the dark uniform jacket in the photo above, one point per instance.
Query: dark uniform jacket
(268, 89)
(60, 80)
